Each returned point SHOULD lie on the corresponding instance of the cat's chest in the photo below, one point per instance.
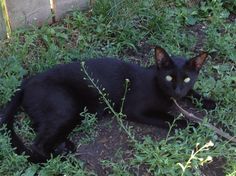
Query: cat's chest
(156, 101)
(147, 95)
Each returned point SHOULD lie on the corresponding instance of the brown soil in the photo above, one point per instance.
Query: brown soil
(110, 141)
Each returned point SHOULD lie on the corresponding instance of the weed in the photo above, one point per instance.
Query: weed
(87, 127)
(194, 156)
(108, 103)
(71, 166)
(8, 158)
(120, 168)
(11, 73)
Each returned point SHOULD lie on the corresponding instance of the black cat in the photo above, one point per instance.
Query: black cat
(55, 98)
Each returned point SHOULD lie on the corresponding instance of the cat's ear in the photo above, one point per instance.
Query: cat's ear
(197, 62)
(162, 58)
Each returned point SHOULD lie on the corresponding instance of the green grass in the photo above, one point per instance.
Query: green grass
(114, 28)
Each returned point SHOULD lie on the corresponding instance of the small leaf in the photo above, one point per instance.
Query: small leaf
(191, 20)
(31, 171)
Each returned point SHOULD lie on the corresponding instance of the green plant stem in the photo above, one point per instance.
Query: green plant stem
(171, 127)
(103, 95)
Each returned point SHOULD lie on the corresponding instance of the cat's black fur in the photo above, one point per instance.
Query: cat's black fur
(55, 98)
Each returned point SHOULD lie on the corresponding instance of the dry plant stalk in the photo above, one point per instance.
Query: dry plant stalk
(194, 118)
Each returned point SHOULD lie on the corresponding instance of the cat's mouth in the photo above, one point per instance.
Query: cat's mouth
(177, 96)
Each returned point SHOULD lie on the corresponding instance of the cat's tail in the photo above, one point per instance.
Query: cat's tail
(7, 118)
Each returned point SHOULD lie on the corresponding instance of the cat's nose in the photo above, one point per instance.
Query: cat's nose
(178, 92)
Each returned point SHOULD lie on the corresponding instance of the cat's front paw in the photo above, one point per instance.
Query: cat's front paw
(208, 104)
(65, 148)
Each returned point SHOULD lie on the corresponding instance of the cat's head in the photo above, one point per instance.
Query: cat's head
(177, 75)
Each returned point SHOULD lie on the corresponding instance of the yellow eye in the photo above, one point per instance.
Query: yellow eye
(186, 80)
(169, 78)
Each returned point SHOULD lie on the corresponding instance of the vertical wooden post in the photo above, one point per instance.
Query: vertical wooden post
(3, 30)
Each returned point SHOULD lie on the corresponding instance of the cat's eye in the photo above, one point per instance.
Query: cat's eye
(186, 80)
(169, 78)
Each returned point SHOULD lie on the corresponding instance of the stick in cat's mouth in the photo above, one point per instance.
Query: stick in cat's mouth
(194, 118)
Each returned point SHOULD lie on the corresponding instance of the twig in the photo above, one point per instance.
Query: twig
(194, 118)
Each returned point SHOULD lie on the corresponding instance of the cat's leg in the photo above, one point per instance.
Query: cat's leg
(53, 133)
(207, 102)
(50, 137)
(54, 116)
(65, 147)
